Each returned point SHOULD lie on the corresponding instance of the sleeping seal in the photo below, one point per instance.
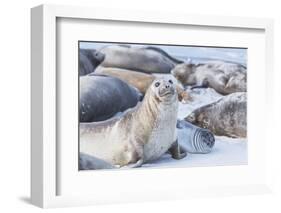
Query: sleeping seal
(194, 139)
(227, 116)
(141, 134)
(101, 97)
(89, 59)
(142, 59)
(139, 80)
(225, 78)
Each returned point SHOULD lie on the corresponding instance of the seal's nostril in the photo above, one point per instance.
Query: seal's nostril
(167, 86)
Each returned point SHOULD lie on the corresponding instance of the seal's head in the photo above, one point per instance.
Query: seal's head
(98, 56)
(164, 90)
(183, 73)
(199, 119)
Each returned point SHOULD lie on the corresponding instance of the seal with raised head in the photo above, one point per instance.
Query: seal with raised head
(139, 80)
(141, 59)
(225, 78)
(227, 116)
(141, 134)
(89, 59)
(101, 97)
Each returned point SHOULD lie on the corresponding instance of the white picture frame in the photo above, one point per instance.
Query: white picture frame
(44, 153)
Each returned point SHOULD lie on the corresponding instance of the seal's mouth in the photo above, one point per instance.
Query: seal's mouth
(167, 93)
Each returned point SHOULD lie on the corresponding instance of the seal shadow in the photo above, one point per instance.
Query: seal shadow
(25, 199)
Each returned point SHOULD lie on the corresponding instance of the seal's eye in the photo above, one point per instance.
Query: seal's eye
(170, 81)
(157, 84)
(205, 120)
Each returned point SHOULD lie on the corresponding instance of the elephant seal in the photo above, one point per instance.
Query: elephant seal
(101, 97)
(141, 59)
(89, 59)
(139, 80)
(141, 134)
(157, 49)
(194, 139)
(227, 116)
(225, 78)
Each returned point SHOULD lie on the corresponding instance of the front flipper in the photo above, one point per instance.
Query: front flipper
(138, 156)
(133, 165)
(183, 96)
(204, 84)
(176, 151)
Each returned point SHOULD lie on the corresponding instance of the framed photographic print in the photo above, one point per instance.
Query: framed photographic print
(136, 102)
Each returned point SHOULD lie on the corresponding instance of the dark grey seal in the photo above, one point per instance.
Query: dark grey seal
(227, 116)
(101, 97)
(194, 139)
(89, 59)
(142, 59)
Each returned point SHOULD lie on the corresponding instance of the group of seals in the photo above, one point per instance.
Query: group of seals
(120, 78)
(225, 78)
(139, 80)
(227, 116)
(142, 134)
